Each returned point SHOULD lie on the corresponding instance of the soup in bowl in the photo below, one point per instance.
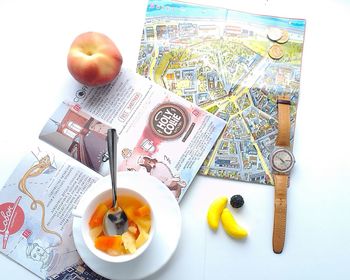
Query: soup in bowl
(141, 224)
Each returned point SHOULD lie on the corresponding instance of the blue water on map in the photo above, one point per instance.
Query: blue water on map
(159, 8)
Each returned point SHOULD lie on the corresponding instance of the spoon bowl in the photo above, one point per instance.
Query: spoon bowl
(115, 222)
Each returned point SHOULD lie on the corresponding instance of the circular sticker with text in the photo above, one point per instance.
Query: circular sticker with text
(168, 121)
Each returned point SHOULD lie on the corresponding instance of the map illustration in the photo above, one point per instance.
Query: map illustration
(234, 65)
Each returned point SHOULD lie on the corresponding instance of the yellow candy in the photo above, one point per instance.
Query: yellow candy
(214, 212)
(231, 227)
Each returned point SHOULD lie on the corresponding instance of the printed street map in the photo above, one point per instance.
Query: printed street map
(234, 65)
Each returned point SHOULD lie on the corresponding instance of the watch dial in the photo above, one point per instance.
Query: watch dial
(282, 160)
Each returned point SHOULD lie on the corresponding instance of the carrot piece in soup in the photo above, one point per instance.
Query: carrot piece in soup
(106, 243)
(130, 212)
(97, 217)
(143, 211)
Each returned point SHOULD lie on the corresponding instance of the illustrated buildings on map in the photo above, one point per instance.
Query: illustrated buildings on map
(219, 61)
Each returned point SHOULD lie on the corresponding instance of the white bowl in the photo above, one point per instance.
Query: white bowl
(100, 192)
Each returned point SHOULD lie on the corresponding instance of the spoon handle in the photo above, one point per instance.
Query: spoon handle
(112, 140)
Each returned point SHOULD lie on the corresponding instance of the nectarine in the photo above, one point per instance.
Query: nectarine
(94, 59)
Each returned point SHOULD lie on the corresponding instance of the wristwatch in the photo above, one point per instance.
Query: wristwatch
(282, 161)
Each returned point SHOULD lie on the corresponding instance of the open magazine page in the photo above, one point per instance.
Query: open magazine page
(35, 212)
(160, 133)
(79, 135)
(233, 64)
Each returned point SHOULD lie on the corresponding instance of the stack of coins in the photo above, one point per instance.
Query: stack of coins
(279, 37)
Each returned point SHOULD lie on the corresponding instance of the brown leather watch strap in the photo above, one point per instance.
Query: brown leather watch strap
(283, 137)
(280, 216)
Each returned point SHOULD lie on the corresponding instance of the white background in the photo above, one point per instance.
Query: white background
(34, 40)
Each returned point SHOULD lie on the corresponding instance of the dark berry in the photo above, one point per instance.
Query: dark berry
(237, 201)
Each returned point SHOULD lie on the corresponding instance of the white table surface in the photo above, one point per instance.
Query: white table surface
(35, 37)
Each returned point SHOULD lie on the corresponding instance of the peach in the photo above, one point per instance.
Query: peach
(94, 59)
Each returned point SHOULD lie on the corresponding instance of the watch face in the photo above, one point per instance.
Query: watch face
(282, 160)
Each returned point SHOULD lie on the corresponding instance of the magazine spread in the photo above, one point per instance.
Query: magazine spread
(233, 64)
(160, 134)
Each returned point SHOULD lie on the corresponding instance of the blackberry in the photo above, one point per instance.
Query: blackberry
(237, 201)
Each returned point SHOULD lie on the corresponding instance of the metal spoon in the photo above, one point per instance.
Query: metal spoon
(115, 221)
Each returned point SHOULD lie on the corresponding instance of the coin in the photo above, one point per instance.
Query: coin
(276, 51)
(284, 38)
(274, 34)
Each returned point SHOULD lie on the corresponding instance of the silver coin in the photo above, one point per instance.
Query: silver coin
(274, 34)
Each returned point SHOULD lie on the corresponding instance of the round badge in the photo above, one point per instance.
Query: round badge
(168, 121)
(11, 218)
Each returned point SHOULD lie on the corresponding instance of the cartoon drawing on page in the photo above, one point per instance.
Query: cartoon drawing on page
(133, 161)
(163, 172)
(41, 253)
(42, 166)
(41, 249)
